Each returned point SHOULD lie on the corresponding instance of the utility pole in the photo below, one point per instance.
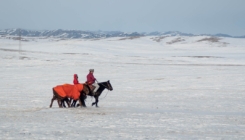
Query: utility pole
(19, 41)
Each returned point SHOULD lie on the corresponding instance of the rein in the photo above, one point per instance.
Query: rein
(105, 95)
(104, 85)
(106, 88)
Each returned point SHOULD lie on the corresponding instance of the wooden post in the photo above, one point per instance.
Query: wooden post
(19, 41)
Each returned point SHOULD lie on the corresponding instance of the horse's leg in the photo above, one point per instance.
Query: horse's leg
(97, 100)
(59, 103)
(94, 102)
(74, 103)
(52, 100)
(71, 102)
(83, 97)
(55, 97)
(68, 102)
(63, 103)
(80, 102)
(83, 103)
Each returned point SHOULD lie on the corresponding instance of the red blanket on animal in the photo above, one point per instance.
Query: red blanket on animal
(68, 90)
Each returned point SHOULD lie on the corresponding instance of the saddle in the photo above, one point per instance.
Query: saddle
(91, 87)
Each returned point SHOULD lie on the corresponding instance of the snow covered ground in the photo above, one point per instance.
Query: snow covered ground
(163, 88)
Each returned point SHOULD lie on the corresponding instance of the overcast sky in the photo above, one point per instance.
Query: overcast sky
(189, 16)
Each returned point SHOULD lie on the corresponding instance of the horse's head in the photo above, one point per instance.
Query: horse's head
(107, 85)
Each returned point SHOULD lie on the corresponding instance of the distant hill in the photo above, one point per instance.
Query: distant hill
(94, 34)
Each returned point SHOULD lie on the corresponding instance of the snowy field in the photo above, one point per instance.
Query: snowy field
(163, 88)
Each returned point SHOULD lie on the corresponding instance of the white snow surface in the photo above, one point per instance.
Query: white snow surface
(186, 89)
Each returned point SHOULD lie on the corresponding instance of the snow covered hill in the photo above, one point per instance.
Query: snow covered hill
(66, 33)
(95, 34)
(164, 87)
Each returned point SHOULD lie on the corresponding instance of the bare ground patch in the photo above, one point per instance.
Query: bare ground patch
(213, 40)
(18, 38)
(15, 50)
(210, 39)
(71, 53)
(94, 39)
(10, 50)
(200, 56)
(158, 39)
(180, 64)
(176, 40)
(24, 57)
(157, 79)
(131, 37)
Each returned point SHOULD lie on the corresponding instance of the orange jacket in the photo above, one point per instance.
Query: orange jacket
(70, 91)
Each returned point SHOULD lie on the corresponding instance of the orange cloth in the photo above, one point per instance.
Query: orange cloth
(70, 91)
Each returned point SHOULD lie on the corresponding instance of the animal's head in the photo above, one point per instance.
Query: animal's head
(109, 87)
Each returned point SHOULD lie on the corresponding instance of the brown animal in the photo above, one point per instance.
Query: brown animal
(76, 92)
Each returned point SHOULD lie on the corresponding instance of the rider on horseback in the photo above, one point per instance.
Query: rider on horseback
(91, 81)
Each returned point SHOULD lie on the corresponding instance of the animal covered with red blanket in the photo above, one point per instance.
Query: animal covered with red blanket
(65, 91)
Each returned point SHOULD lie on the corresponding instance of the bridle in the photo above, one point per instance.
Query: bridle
(107, 87)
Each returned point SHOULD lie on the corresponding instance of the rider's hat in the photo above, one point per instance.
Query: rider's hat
(91, 70)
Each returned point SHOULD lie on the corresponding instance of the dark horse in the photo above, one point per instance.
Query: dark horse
(103, 86)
